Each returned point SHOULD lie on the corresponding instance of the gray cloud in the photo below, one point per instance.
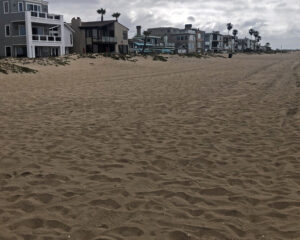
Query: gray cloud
(276, 20)
(191, 19)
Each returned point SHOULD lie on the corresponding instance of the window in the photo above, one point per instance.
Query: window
(22, 30)
(89, 33)
(71, 38)
(7, 30)
(6, 7)
(33, 7)
(125, 35)
(191, 46)
(38, 31)
(21, 7)
(8, 51)
(95, 33)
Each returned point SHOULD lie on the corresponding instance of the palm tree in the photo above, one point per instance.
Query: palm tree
(258, 39)
(235, 33)
(256, 35)
(101, 11)
(251, 32)
(146, 35)
(116, 15)
(229, 27)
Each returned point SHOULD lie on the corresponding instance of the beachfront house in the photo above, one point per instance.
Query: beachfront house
(100, 37)
(200, 41)
(154, 44)
(184, 39)
(29, 30)
(228, 43)
(245, 45)
(214, 42)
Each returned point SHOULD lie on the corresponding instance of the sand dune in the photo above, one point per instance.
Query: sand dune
(183, 150)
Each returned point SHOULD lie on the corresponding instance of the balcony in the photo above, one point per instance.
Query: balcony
(45, 17)
(105, 39)
(46, 38)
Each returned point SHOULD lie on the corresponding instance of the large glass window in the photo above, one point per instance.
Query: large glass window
(89, 33)
(21, 7)
(22, 30)
(125, 35)
(33, 7)
(38, 31)
(95, 33)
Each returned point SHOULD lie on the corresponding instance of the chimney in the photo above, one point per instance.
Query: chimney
(138, 31)
(188, 26)
(76, 22)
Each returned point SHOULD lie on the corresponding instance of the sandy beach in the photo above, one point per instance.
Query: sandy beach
(187, 149)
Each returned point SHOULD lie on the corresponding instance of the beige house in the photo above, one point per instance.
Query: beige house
(99, 37)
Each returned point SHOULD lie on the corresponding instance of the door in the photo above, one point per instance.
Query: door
(8, 51)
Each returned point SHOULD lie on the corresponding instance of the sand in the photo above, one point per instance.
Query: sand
(180, 150)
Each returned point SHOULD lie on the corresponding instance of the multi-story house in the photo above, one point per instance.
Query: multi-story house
(214, 42)
(228, 43)
(154, 44)
(100, 37)
(250, 44)
(245, 44)
(200, 41)
(184, 39)
(29, 30)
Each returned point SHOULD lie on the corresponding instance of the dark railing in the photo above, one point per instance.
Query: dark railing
(46, 38)
(45, 15)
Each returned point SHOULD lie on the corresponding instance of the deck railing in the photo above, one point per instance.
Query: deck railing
(45, 15)
(46, 38)
(105, 39)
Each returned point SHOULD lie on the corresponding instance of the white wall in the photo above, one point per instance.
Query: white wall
(68, 35)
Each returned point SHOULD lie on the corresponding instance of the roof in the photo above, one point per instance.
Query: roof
(149, 37)
(99, 24)
(96, 24)
(142, 44)
(69, 27)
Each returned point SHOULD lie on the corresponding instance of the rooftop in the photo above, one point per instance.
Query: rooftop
(96, 24)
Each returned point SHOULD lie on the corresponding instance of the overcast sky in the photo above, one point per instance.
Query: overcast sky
(278, 21)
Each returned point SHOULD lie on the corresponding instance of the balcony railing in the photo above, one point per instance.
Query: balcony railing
(105, 39)
(46, 38)
(45, 15)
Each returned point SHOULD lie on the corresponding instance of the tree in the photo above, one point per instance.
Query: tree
(259, 38)
(256, 35)
(116, 15)
(235, 33)
(102, 12)
(146, 35)
(251, 32)
(229, 27)
(268, 46)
